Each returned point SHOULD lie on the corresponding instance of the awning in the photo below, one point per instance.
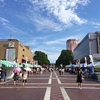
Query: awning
(6, 63)
(37, 66)
(27, 64)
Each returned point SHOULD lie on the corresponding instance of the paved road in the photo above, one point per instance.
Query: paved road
(50, 86)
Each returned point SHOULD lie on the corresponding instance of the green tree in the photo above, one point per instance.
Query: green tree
(65, 58)
(41, 57)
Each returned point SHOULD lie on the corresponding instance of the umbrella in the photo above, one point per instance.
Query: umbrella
(27, 69)
(16, 69)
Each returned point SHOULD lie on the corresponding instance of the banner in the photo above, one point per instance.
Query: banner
(11, 44)
(85, 65)
(91, 59)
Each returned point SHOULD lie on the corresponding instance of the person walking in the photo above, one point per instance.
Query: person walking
(3, 74)
(0, 74)
(15, 77)
(25, 75)
(79, 79)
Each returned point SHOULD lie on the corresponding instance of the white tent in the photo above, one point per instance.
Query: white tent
(93, 64)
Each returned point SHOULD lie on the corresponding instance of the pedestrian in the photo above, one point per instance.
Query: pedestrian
(25, 75)
(4, 74)
(62, 71)
(20, 75)
(79, 79)
(15, 77)
(0, 73)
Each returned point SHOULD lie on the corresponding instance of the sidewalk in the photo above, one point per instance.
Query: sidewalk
(51, 86)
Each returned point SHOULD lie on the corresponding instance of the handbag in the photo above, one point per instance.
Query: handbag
(82, 78)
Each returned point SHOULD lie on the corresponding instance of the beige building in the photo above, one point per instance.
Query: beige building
(14, 50)
(71, 44)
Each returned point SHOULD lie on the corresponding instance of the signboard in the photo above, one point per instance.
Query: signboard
(10, 54)
(11, 44)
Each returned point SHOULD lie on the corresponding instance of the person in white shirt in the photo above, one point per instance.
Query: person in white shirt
(25, 75)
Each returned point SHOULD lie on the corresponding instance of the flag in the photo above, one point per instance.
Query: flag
(91, 59)
(85, 62)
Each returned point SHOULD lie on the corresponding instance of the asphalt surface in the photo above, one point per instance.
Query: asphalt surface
(51, 86)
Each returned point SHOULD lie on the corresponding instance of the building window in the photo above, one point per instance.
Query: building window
(22, 55)
(23, 49)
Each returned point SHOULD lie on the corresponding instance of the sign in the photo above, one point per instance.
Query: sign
(11, 44)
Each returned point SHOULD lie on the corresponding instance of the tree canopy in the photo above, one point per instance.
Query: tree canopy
(41, 57)
(65, 58)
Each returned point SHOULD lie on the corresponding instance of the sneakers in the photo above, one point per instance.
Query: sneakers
(80, 88)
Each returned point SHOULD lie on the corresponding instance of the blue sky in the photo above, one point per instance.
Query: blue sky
(45, 25)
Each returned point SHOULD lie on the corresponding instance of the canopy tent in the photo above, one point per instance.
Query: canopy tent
(6, 63)
(97, 65)
(31, 65)
(93, 64)
(36, 66)
(27, 64)
(76, 65)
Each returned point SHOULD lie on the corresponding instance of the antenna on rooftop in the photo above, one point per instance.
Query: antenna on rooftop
(10, 35)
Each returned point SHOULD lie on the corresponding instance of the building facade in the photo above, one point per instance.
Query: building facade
(71, 44)
(14, 50)
(90, 45)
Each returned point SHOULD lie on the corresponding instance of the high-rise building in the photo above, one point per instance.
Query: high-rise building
(90, 45)
(71, 44)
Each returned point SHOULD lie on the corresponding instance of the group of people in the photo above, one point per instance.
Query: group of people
(79, 78)
(61, 69)
(22, 76)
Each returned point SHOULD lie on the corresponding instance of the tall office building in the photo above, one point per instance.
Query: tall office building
(90, 45)
(71, 44)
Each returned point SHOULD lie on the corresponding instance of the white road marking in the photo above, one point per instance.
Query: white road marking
(47, 94)
(28, 83)
(50, 79)
(82, 84)
(23, 87)
(59, 82)
(86, 88)
(42, 78)
(64, 93)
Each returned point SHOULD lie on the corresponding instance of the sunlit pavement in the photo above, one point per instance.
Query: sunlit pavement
(50, 86)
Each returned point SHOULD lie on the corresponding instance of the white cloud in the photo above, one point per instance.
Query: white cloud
(10, 27)
(62, 10)
(57, 41)
(3, 20)
(1, 0)
(55, 15)
(63, 40)
(95, 23)
(45, 23)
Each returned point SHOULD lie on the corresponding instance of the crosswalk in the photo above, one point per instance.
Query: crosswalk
(48, 84)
